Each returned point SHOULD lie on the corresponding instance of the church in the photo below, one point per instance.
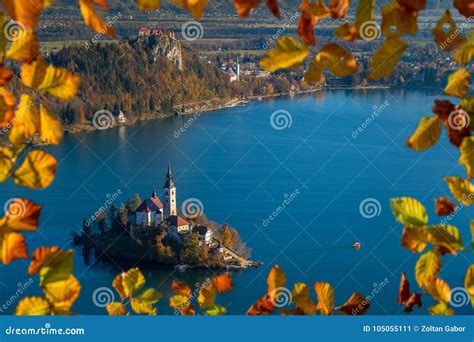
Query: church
(152, 212)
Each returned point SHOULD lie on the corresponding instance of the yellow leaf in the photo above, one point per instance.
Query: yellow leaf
(118, 286)
(467, 157)
(25, 48)
(179, 301)
(62, 293)
(386, 58)
(447, 237)
(51, 127)
(3, 38)
(142, 307)
(288, 54)
(37, 170)
(148, 5)
(469, 283)
(57, 265)
(364, 13)
(427, 268)
(325, 294)
(439, 290)
(471, 226)
(207, 296)
(465, 52)
(26, 12)
(149, 295)
(462, 189)
(458, 83)
(32, 306)
(451, 39)
(6, 164)
(27, 116)
(276, 279)
(133, 280)
(196, 7)
(409, 211)
(12, 247)
(301, 297)
(216, 310)
(22, 214)
(338, 60)
(415, 239)
(93, 20)
(116, 309)
(440, 309)
(427, 133)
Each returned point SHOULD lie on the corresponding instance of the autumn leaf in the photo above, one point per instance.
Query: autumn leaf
(51, 127)
(245, 7)
(413, 5)
(306, 29)
(132, 281)
(288, 54)
(32, 306)
(364, 13)
(38, 258)
(414, 299)
(179, 301)
(143, 303)
(397, 20)
(409, 211)
(439, 290)
(118, 286)
(427, 133)
(458, 83)
(27, 116)
(195, 7)
(301, 297)
(465, 7)
(222, 283)
(443, 108)
(356, 305)
(93, 20)
(148, 5)
(22, 214)
(276, 279)
(451, 39)
(444, 206)
(347, 32)
(386, 58)
(317, 9)
(446, 237)
(25, 48)
(37, 170)
(12, 247)
(26, 12)
(338, 8)
(467, 157)
(465, 53)
(272, 5)
(462, 189)
(57, 265)
(404, 291)
(427, 268)
(415, 239)
(325, 294)
(207, 296)
(6, 163)
(215, 310)
(263, 306)
(441, 309)
(116, 309)
(181, 289)
(469, 283)
(62, 294)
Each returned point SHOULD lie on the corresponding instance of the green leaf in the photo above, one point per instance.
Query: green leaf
(216, 310)
(409, 211)
(57, 265)
(427, 268)
(427, 133)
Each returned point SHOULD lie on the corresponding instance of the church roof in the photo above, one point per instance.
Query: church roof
(177, 221)
(149, 205)
(169, 178)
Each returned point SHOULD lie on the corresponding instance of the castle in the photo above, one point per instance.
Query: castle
(152, 212)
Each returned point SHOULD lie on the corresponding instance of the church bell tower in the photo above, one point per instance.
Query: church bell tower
(169, 195)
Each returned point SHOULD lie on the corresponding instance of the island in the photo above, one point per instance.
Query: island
(153, 231)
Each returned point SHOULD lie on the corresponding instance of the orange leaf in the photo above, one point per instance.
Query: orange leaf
(338, 8)
(397, 20)
(93, 20)
(415, 299)
(26, 12)
(404, 291)
(347, 32)
(356, 305)
(223, 283)
(273, 7)
(444, 206)
(276, 279)
(22, 214)
(38, 258)
(262, 307)
(181, 288)
(245, 7)
(465, 7)
(306, 29)
(12, 247)
(413, 5)
(37, 170)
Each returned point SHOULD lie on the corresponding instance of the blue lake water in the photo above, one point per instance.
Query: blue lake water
(242, 169)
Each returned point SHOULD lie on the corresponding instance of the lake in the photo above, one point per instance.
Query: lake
(336, 150)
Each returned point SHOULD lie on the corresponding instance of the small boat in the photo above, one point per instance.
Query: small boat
(356, 245)
(181, 267)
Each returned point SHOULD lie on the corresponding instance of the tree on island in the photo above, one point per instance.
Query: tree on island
(191, 252)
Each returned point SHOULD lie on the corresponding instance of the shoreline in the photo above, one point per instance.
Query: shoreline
(207, 106)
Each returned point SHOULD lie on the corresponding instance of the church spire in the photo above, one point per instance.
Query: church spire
(153, 194)
(169, 178)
